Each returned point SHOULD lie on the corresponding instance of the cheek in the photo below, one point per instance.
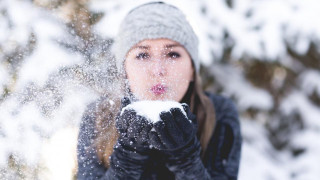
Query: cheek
(181, 76)
(136, 76)
(182, 71)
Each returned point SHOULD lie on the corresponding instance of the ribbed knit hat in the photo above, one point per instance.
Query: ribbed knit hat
(152, 21)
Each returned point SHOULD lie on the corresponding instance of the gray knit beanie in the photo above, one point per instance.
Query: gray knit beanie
(151, 21)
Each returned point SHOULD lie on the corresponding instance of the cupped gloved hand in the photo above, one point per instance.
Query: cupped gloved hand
(133, 129)
(175, 136)
(175, 130)
(130, 155)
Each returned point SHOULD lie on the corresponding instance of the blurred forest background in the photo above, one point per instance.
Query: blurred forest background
(55, 58)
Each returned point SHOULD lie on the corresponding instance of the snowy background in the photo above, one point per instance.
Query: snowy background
(264, 54)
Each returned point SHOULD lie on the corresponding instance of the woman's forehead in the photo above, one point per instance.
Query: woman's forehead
(157, 43)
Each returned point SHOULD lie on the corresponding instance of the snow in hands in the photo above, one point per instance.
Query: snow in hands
(151, 110)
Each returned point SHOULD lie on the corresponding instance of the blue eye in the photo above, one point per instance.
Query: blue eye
(173, 55)
(142, 56)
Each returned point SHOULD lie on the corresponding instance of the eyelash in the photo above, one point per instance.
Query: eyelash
(142, 56)
(174, 55)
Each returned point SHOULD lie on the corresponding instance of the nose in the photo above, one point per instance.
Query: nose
(159, 68)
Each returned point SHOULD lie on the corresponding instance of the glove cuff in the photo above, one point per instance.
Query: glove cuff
(193, 148)
(127, 163)
(186, 163)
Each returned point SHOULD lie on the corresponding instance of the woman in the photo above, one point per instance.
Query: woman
(156, 52)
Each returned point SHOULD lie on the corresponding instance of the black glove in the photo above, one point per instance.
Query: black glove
(175, 136)
(175, 130)
(133, 129)
(130, 156)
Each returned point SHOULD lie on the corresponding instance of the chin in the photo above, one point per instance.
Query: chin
(165, 98)
(159, 97)
(154, 97)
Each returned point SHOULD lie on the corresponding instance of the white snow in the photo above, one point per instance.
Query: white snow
(20, 126)
(310, 81)
(23, 124)
(298, 102)
(4, 78)
(60, 148)
(258, 160)
(262, 35)
(235, 84)
(306, 165)
(152, 109)
(257, 29)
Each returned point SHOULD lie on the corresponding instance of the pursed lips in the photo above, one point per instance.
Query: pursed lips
(159, 89)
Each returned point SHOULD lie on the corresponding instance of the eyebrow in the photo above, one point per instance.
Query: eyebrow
(165, 46)
(141, 47)
(172, 45)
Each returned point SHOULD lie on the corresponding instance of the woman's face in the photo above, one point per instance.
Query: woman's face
(159, 69)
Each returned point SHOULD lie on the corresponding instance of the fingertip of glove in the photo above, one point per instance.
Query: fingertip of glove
(165, 115)
(185, 106)
(179, 114)
(158, 125)
(125, 101)
(130, 112)
(175, 111)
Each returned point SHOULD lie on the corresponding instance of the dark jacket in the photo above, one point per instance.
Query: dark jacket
(221, 160)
